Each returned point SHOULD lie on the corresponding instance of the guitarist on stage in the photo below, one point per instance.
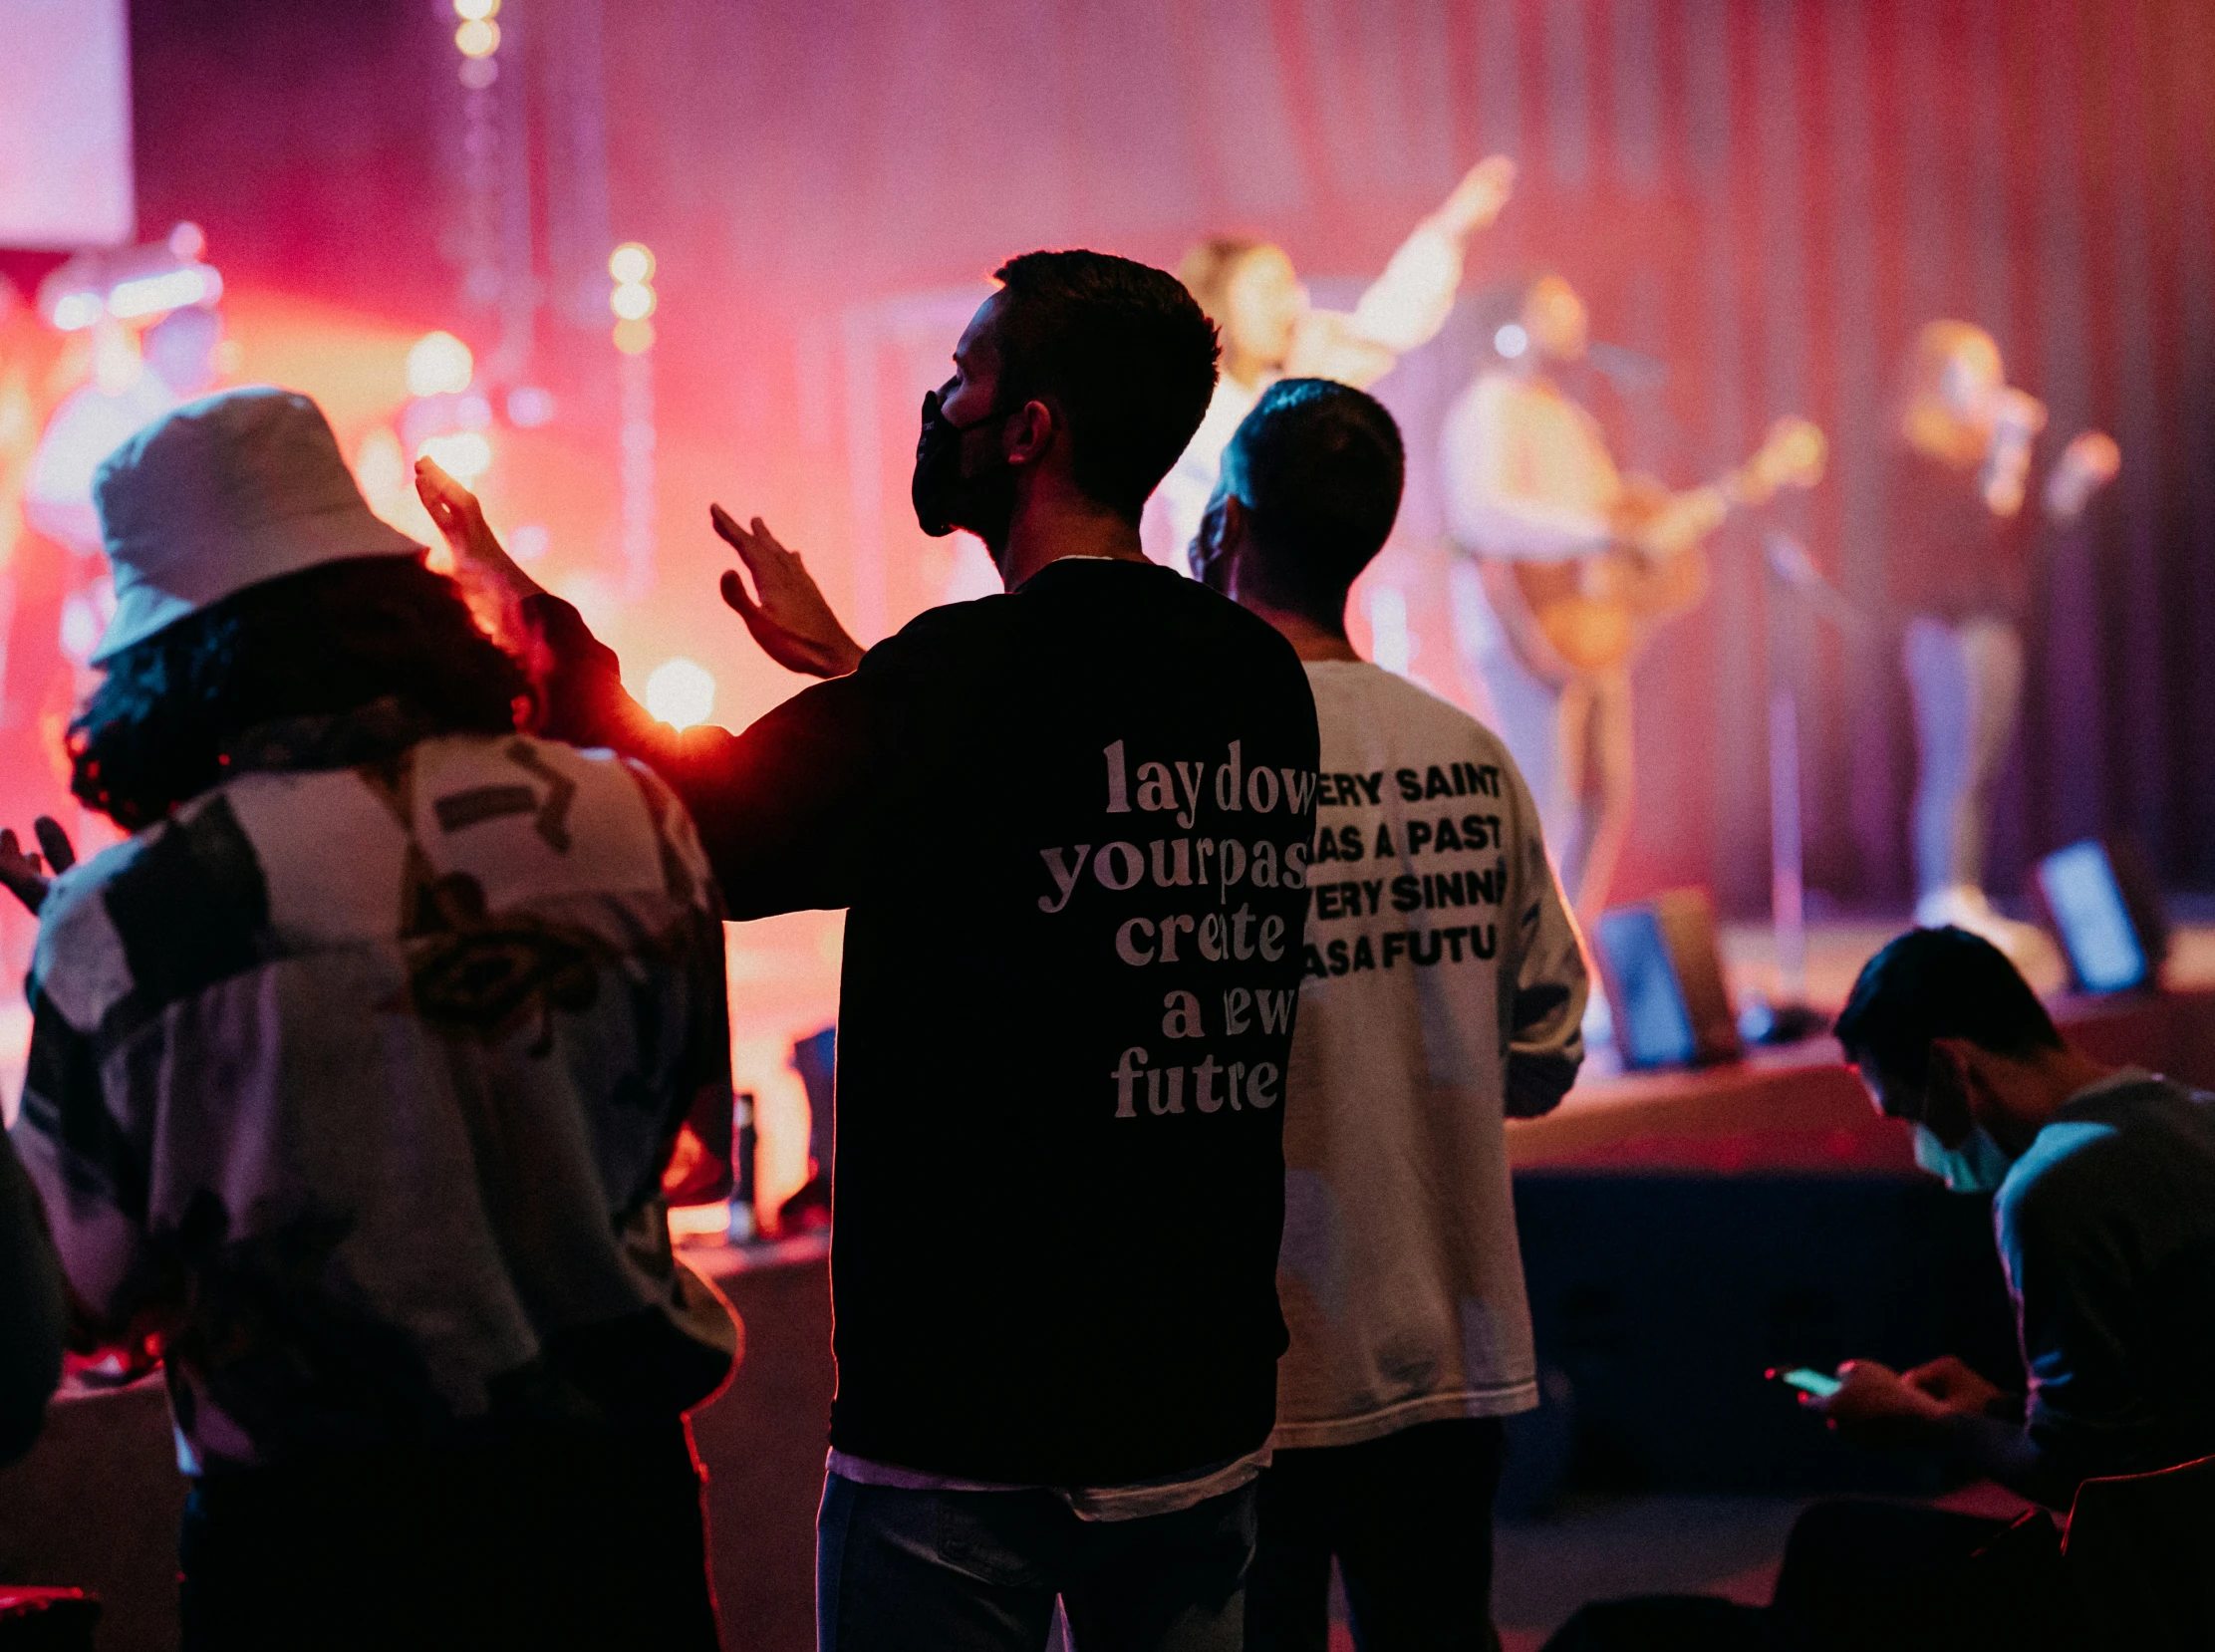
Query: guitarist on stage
(1576, 563)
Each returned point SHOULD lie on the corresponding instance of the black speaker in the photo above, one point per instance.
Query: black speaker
(1664, 980)
(2100, 898)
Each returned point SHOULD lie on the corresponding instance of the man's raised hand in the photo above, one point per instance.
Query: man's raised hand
(29, 876)
(1480, 196)
(2087, 464)
(785, 611)
(478, 556)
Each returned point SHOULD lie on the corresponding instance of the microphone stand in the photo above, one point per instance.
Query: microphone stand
(1790, 572)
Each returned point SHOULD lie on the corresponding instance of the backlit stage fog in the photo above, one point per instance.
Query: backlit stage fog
(1760, 206)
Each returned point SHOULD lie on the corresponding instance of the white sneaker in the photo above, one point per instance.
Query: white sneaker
(1966, 907)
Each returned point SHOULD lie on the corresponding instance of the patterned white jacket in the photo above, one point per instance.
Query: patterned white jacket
(354, 1086)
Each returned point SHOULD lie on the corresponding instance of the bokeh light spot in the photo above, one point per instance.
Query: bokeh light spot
(438, 364)
(463, 454)
(681, 693)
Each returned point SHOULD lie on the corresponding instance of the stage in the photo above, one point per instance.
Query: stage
(1798, 1108)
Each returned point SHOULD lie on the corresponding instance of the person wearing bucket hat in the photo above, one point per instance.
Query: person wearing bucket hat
(354, 1070)
(223, 493)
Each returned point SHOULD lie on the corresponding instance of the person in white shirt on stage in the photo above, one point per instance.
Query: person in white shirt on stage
(1271, 330)
(1442, 994)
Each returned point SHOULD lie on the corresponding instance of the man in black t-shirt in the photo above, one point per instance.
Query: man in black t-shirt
(1070, 827)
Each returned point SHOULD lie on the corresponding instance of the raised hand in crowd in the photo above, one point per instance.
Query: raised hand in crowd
(28, 875)
(1477, 199)
(487, 572)
(2087, 464)
(786, 611)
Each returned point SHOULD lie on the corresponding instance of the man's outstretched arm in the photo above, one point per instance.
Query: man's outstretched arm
(778, 807)
(788, 618)
(1406, 306)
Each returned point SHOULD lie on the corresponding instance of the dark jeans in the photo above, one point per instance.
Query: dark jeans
(1409, 1518)
(978, 1571)
(551, 1539)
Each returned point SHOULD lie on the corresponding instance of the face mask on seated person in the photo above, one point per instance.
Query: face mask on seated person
(943, 498)
(1978, 1165)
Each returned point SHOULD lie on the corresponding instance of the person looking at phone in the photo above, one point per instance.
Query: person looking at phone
(2102, 1182)
(2103, 1207)
(1070, 826)
(1442, 994)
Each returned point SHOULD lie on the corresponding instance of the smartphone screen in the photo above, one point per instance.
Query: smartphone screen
(1810, 1381)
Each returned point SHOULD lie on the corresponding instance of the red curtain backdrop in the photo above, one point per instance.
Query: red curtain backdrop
(1766, 198)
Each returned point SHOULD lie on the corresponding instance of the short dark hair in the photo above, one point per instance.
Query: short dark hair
(1319, 468)
(1125, 352)
(329, 639)
(1940, 984)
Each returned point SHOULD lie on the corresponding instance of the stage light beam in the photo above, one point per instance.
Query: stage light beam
(477, 11)
(631, 264)
(633, 301)
(479, 37)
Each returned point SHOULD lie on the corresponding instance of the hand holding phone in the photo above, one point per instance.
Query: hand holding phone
(1807, 1379)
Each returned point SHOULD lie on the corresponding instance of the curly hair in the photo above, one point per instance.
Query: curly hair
(327, 640)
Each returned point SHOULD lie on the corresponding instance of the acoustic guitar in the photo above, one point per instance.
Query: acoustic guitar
(1592, 614)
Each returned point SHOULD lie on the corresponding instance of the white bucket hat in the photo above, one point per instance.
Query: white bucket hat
(223, 493)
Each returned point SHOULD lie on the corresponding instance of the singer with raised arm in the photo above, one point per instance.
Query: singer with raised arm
(1963, 534)
(1271, 330)
(1577, 564)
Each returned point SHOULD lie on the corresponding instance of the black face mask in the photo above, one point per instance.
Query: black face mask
(944, 500)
